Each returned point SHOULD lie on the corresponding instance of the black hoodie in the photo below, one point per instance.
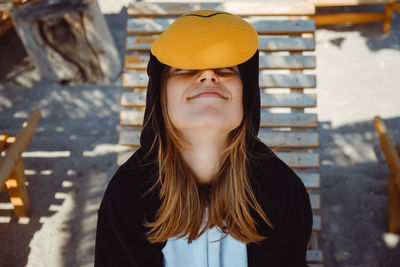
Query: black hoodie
(120, 238)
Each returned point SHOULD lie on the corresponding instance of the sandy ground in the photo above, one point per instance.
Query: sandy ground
(73, 154)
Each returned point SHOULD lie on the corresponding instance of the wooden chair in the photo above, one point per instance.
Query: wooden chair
(391, 151)
(285, 46)
(12, 172)
(5, 17)
(357, 17)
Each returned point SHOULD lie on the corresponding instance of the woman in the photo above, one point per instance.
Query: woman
(202, 189)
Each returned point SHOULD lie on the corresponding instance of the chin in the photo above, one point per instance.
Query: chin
(218, 125)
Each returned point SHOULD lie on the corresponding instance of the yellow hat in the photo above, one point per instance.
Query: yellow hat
(206, 39)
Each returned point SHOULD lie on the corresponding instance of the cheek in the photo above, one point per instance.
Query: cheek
(174, 93)
(237, 95)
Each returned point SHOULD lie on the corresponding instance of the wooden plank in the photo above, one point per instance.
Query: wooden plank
(136, 62)
(129, 136)
(237, 8)
(3, 141)
(321, 3)
(300, 120)
(313, 242)
(137, 98)
(289, 139)
(151, 26)
(388, 14)
(292, 62)
(297, 100)
(16, 189)
(284, 139)
(310, 180)
(281, 27)
(148, 26)
(134, 117)
(348, 17)
(393, 159)
(134, 43)
(23, 138)
(123, 156)
(135, 79)
(139, 79)
(314, 256)
(10, 140)
(299, 159)
(315, 200)
(316, 223)
(5, 7)
(5, 26)
(270, 44)
(265, 43)
(388, 148)
(393, 203)
(293, 80)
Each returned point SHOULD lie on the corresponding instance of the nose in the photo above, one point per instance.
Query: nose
(207, 74)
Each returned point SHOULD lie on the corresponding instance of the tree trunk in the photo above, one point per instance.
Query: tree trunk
(68, 40)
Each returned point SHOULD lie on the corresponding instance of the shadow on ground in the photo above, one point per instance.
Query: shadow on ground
(69, 161)
(354, 178)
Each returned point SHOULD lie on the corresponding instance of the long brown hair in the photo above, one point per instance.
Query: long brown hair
(228, 197)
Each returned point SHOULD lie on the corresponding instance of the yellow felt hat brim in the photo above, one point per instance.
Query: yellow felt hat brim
(206, 39)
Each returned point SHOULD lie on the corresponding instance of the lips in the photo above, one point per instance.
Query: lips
(207, 92)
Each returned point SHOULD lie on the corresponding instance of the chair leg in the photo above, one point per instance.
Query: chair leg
(387, 22)
(17, 190)
(393, 209)
(396, 7)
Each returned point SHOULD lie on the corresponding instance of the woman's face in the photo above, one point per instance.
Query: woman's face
(205, 98)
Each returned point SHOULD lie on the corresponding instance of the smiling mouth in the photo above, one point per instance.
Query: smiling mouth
(207, 94)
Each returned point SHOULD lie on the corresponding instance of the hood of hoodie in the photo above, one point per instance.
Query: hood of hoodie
(251, 101)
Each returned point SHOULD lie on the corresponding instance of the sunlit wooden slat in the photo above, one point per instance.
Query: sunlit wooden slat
(311, 180)
(321, 3)
(237, 8)
(139, 79)
(265, 43)
(283, 139)
(292, 62)
(314, 256)
(134, 117)
(315, 201)
(289, 139)
(150, 26)
(137, 98)
(300, 120)
(299, 159)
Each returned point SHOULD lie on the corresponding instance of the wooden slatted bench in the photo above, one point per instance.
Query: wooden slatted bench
(12, 172)
(357, 17)
(286, 45)
(391, 151)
